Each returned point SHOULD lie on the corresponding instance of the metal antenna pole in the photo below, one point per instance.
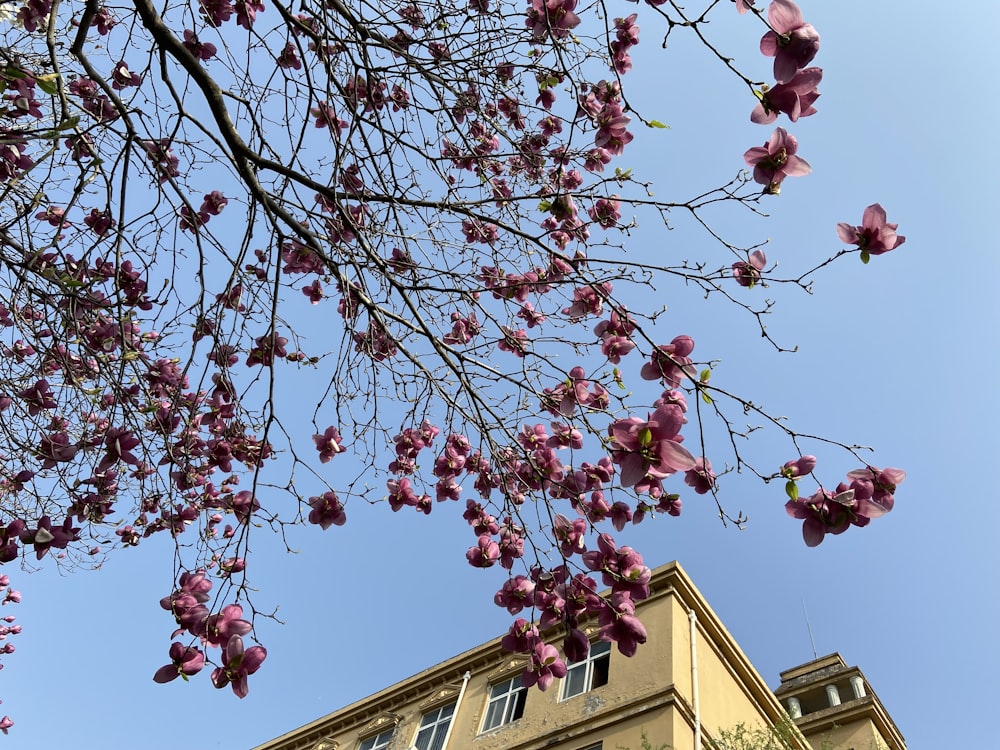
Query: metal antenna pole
(809, 628)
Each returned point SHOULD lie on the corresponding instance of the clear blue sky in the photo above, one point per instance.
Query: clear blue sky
(901, 354)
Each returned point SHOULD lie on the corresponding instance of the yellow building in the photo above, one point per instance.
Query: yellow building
(687, 685)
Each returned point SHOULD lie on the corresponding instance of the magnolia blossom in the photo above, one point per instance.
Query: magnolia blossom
(792, 43)
(620, 625)
(544, 668)
(237, 664)
(551, 16)
(201, 50)
(520, 637)
(516, 594)
(794, 97)
(747, 273)
(868, 494)
(823, 513)
(776, 160)
(670, 362)
(184, 661)
(484, 554)
(327, 510)
(874, 489)
(700, 476)
(650, 447)
(328, 444)
(875, 235)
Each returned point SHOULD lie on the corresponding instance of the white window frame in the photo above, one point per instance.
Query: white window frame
(437, 721)
(378, 741)
(599, 651)
(512, 695)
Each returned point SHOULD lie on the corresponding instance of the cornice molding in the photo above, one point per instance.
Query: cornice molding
(439, 698)
(506, 670)
(379, 724)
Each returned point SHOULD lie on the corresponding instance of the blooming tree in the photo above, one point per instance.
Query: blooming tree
(413, 214)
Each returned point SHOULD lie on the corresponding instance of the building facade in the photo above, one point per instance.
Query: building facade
(687, 684)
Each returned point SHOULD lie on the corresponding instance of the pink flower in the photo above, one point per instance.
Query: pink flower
(226, 624)
(620, 625)
(799, 467)
(742, 6)
(184, 661)
(33, 14)
(576, 646)
(651, 447)
(478, 231)
(201, 50)
(5, 724)
(875, 235)
(516, 594)
(237, 665)
(823, 513)
(606, 211)
(874, 489)
(484, 554)
(328, 444)
(612, 134)
(327, 510)
(104, 21)
(289, 58)
(545, 667)
(54, 448)
(520, 638)
(670, 362)
(555, 16)
(571, 535)
(244, 505)
(792, 43)
(747, 273)
(795, 98)
(700, 476)
(515, 342)
(54, 215)
(214, 203)
(100, 222)
(776, 160)
(122, 77)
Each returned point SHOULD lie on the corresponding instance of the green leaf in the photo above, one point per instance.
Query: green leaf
(792, 489)
(67, 124)
(645, 436)
(705, 375)
(865, 256)
(705, 397)
(657, 124)
(545, 206)
(47, 83)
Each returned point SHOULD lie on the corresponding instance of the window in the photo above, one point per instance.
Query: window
(590, 673)
(434, 728)
(506, 703)
(378, 742)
